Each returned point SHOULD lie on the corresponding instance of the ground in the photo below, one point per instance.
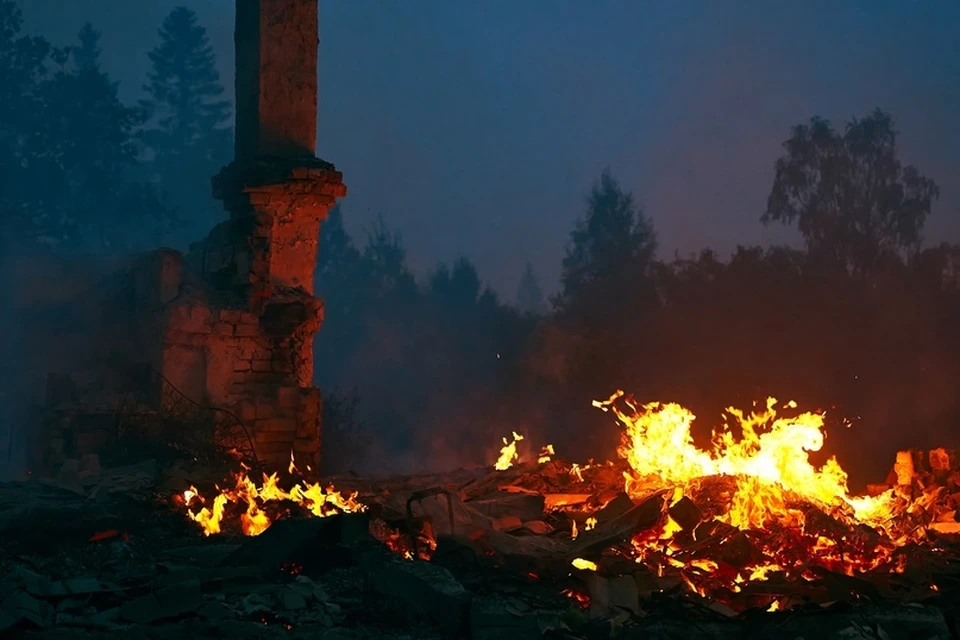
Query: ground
(111, 554)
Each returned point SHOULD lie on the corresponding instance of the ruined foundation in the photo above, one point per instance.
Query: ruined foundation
(231, 324)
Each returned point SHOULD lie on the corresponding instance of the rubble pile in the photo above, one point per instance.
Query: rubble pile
(536, 551)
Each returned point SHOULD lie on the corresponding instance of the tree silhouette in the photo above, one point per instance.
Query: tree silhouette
(529, 293)
(850, 197)
(610, 249)
(23, 67)
(86, 152)
(188, 132)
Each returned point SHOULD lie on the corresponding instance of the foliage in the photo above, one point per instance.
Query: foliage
(188, 132)
(851, 198)
(73, 151)
(529, 294)
(609, 247)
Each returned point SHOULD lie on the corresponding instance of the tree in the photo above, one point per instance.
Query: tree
(850, 197)
(87, 154)
(23, 67)
(610, 249)
(457, 288)
(529, 294)
(188, 134)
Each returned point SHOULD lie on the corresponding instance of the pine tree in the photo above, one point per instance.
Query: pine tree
(189, 134)
(610, 249)
(88, 144)
(23, 68)
(529, 293)
(87, 54)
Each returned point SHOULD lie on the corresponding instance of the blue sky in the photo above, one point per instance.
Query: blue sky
(474, 127)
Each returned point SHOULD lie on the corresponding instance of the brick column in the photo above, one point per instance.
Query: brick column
(277, 193)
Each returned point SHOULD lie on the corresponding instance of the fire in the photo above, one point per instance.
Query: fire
(546, 453)
(508, 453)
(770, 461)
(580, 563)
(254, 520)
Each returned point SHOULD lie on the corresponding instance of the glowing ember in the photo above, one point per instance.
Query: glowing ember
(580, 563)
(508, 453)
(796, 514)
(255, 520)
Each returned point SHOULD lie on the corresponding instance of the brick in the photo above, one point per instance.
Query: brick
(288, 396)
(246, 411)
(230, 315)
(277, 424)
(308, 429)
(275, 453)
(288, 437)
(223, 329)
(304, 445)
(265, 409)
(246, 330)
(248, 317)
(241, 365)
(261, 365)
(282, 366)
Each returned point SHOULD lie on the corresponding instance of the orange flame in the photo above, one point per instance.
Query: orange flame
(255, 520)
(508, 453)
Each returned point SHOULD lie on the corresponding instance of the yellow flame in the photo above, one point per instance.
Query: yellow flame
(575, 473)
(590, 524)
(254, 520)
(770, 461)
(508, 453)
(580, 563)
(546, 453)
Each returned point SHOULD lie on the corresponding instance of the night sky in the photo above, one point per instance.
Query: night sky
(474, 127)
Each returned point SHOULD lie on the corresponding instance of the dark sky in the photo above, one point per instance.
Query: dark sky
(474, 127)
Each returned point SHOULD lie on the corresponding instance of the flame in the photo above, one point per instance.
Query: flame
(590, 524)
(580, 563)
(254, 520)
(546, 453)
(770, 461)
(575, 473)
(508, 453)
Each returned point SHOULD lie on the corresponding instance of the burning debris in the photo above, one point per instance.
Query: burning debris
(748, 526)
(745, 537)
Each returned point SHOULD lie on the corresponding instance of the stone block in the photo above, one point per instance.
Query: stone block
(246, 411)
(223, 329)
(276, 424)
(230, 315)
(287, 437)
(288, 396)
(265, 409)
(248, 317)
(277, 452)
(242, 365)
(246, 330)
(306, 445)
(308, 429)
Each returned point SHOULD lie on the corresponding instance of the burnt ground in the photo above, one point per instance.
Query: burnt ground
(115, 557)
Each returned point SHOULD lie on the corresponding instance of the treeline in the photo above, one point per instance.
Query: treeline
(861, 322)
(432, 372)
(81, 171)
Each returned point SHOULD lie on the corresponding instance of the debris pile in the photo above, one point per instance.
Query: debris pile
(716, 544)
